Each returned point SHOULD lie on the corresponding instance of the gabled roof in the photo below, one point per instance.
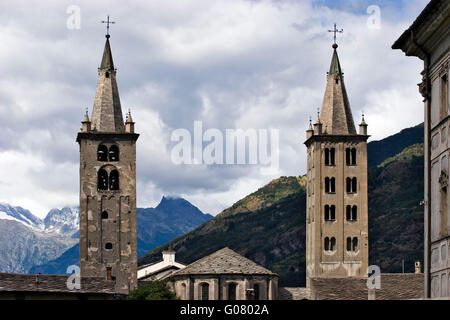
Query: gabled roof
(394, 286)
(13, 282)
(336, 114)
(224, 261)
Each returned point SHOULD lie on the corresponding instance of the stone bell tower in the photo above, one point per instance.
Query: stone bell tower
(337, 210)
(108, 246)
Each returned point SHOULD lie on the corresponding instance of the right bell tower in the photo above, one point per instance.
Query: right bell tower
(337, 204)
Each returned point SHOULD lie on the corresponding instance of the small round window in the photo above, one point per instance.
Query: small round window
(108, 246)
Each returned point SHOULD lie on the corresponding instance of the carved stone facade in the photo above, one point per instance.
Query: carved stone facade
(337, 204)
(108, 245)
(428, 38)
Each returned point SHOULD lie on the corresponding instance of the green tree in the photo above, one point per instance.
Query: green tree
(152, 290)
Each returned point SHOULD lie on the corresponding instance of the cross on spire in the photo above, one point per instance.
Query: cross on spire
(335, 30)
(108, 22)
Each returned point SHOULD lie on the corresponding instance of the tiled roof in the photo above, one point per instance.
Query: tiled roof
(394, 286)
(293, 293)
(224, 261)
(52, 283)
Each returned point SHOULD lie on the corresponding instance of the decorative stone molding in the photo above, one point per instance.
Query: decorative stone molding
(424, 86)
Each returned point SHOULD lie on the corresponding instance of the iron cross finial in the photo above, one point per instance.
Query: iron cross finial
(335, 30)
(108, 22)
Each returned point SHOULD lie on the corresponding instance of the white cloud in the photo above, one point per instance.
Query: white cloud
(231, 64)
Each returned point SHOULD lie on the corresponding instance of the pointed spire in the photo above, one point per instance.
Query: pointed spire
(107, 112)
(129, 124)
(107, 60)
(336, 115)
(363, 126)
(86, 123)
(335, 67)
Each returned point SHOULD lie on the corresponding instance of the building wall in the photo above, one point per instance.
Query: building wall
(190, 288)
(340, 262)
(119, 229)
(439, 171)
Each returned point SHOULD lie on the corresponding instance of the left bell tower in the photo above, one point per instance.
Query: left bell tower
(108, 245)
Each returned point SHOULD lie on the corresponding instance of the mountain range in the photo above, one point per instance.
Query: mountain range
(29, 244)
(268, 226)
(155, 226)
(26, 240)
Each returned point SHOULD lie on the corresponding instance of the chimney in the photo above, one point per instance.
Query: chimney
(168, 256)
(418, 267)
(108, 273)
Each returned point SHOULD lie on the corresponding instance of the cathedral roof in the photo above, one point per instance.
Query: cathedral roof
(107, 112)
(224, 261)
(14, 282)
(336, 115)
(394, 286)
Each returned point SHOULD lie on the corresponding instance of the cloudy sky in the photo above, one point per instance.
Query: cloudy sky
(230, 64)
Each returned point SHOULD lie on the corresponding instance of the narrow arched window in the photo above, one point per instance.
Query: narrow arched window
(348, 184)
(355, 244)
(332, 185)
(256, 291)
(332, 157)
(114, 180)
(232, 291)
(333, 213)
(327, 185)
(104, 215)
(205, 291)
(102, 180)
(347, 156)
(348, 213)
(327, 213)
(183, 292)
(354, 213)
(102, 153)
(327, 156)
(113, 153)
(327, 244)
(349, 244)
(353, 153)
(333, 244)
(354, 184)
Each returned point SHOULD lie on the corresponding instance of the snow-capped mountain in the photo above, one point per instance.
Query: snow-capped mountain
(65, 220)
(26, 240)
(19, 214)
